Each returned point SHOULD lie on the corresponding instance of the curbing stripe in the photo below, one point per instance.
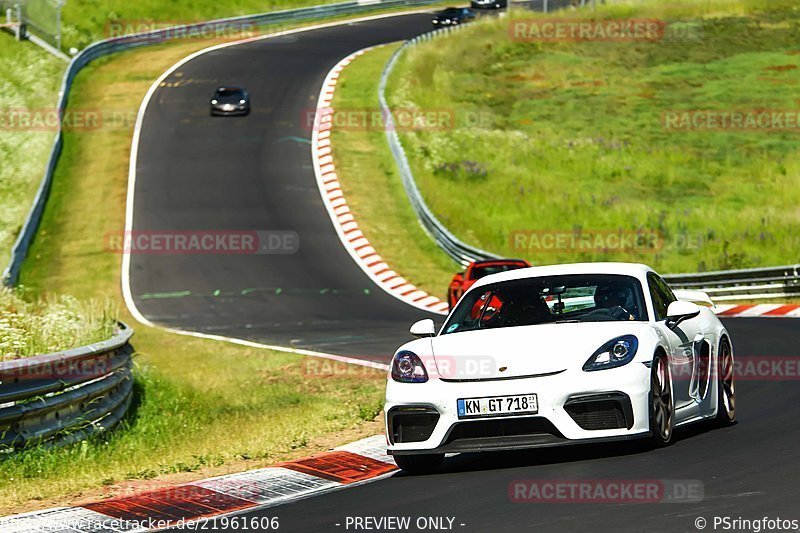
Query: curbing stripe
(267, 485)
(758, 310)
(355, 463)
(353, 240)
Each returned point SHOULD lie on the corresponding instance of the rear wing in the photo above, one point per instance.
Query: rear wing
(697, 297)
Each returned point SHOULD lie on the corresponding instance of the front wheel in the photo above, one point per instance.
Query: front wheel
(726, 385)
(419, 464)
(662, 407)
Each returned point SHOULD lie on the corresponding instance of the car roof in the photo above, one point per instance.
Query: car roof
(484, 262)
(636, 270)
(220, 89)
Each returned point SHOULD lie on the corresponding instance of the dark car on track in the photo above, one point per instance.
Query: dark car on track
(452, 16)
(230, 101)
(475, 271)
(488, 4)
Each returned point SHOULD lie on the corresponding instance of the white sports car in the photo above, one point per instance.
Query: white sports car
(553, 355)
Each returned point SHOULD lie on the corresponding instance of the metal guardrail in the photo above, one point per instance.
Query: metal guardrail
(67, 396)
(722, 285)
(459, 251)
(128, 42)
(766, 283)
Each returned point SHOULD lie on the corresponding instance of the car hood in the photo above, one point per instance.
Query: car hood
(525, 350)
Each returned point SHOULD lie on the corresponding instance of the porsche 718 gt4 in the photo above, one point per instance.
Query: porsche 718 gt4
(546, 356)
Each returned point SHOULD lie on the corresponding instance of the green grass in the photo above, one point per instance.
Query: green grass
(29, 79)
(85, 21)
(203, 407)
(372, 186)
(572, 136)
(49, 325)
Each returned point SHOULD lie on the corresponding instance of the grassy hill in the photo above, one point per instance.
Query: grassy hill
(580, 137)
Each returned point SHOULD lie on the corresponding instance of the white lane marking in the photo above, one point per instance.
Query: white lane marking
(126, 260)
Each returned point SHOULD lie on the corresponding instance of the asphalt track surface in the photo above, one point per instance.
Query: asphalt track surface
(749, 470)
(195, 172)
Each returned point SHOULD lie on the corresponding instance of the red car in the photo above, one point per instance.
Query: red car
(475, 271)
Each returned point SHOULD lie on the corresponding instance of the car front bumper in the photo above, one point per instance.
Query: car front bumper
(227, 110)
(573, 407)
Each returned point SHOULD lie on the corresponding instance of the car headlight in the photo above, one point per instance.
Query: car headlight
(614, 353)
(242, 101)
(214, 102)
(407, 367)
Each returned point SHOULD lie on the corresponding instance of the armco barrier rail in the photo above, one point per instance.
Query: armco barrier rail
(773, 282)
(127, 42)
(462, 253)
(67, 396)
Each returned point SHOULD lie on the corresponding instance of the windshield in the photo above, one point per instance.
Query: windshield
(234, 93)
(451, 11)
(549, 299)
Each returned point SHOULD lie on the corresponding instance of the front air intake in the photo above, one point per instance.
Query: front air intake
(601, 411)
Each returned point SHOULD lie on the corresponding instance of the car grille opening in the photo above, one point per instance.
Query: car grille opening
(605, 411)
(412, 424)
(506, 427)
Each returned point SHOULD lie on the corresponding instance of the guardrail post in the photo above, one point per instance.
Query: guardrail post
(20, 29)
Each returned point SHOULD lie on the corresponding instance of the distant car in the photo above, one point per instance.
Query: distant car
(488, 4)
(452, 16)
(230, 101)
(475, 271)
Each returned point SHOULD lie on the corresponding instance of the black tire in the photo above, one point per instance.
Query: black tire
(419, 464)
(662, 404)
(726, 385)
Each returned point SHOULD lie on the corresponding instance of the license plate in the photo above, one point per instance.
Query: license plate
(498, 406)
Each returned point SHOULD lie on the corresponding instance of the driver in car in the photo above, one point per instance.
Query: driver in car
(617, 300)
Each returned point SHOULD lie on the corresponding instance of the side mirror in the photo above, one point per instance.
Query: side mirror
(423, 328)
(679, 311)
